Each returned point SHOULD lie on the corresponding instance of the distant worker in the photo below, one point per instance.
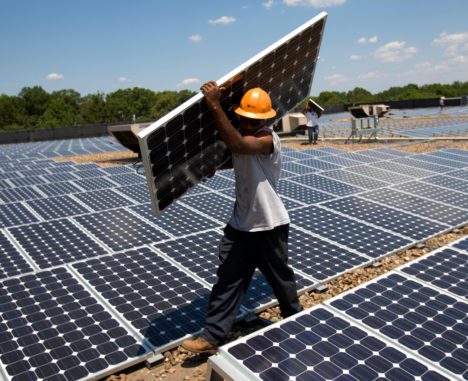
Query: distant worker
(257, 232)
(312, 123)
(442, 103)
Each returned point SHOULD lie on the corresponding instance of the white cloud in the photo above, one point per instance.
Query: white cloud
(372, 75)
(314, 3)
(195, 38)
(188, 82)
(223, 20)
(454, 43)
(355, 57)
(370, 40)
(268, 4)
(395, 51)
(54, 76)
(459, 59)
(335, 79)
(124, 79)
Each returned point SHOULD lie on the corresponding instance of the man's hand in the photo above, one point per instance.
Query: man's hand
(212, 93)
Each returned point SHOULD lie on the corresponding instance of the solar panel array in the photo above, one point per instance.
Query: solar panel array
(409, 324)
(84, 262)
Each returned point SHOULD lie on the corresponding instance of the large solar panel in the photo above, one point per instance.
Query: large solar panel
(182, 148)
(318, 344)
(423, 320)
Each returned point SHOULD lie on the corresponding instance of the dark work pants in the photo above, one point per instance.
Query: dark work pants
(240, 253)
(313, 133)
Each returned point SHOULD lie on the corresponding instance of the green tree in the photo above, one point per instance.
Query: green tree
(93, 108)
(59, 113)
(35, 101)
(12, 113)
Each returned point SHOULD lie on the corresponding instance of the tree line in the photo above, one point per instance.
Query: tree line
(34, 107)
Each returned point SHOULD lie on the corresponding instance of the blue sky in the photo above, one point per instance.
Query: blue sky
(105, 45)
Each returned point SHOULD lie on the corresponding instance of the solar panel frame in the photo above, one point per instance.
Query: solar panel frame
(178, 171)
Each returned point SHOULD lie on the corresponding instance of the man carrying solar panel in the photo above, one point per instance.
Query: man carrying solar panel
(257, 233)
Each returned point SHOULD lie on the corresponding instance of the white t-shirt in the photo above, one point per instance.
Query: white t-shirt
(312, 118)
(258, 206)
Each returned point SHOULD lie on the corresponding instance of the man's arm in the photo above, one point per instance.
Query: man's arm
(230, 136)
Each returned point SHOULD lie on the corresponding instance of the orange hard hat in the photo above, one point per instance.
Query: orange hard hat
(256, 104)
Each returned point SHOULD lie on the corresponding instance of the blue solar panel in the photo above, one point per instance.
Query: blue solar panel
(379, 174)
(325, 184)
(159, 300)
(459, 174)
(55, 242)
(321, 259)
(19, 194)
(218, 183)
(138, 192)
(440, 161)
(448, 182)
(421, 319)
(451, 156)
(11, 261)
(387, 218)
(103, 199)
(317, 344)
(52, 328)
(340, 160)
(433, 192)
(56, 207)
(119, 229)
(461, 245)
(13, 214)
(212, 204)
(57, 189)
(445, 268)
(178, 219)
(354, 179)
(402, 169)
(419, 206)
(412, 162)
(356, 235)
(94, 183)
(301, 193)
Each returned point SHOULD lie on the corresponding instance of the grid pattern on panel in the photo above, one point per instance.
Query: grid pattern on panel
(318, 258)
(89, 173)
(57, 189)
(375, 153)
(218, 183)
(446, 269)
(178, 220)
(402, 169)
(354, 179)
(12, 214)
(318, 164)
(93, 183)
(387, 218)
(318, 345)
(118, 170)
(11, 261)
(212, 204)
(440, 161)
(461, 245)
(56, 207)
(301, 193)
(103, 199)
(51, 328)
(159, 300)
(340, 160)
(420, 206)
(413, 162)
(379, 174)
(127, 178)
(457, 151)
(296, 168)
(55, 242)
(430, 323)
(138, 192)
(433, 192)
(363, 238)
(326, 185)
(183, 148)
(450, 156)
(119, 229)
(19, 194)
(27, 181)
(448, 182)
(297, 155)
(61, 175)
(459, 174)
(199, 254)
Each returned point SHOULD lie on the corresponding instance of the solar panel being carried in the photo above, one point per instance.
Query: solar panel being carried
(182, 148)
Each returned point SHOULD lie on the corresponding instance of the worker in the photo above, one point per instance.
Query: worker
(257, 232)
(311, 123)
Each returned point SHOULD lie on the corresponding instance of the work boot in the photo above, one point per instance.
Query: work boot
(199, 345)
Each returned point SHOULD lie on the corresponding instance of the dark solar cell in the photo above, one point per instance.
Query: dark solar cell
(11, 261)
